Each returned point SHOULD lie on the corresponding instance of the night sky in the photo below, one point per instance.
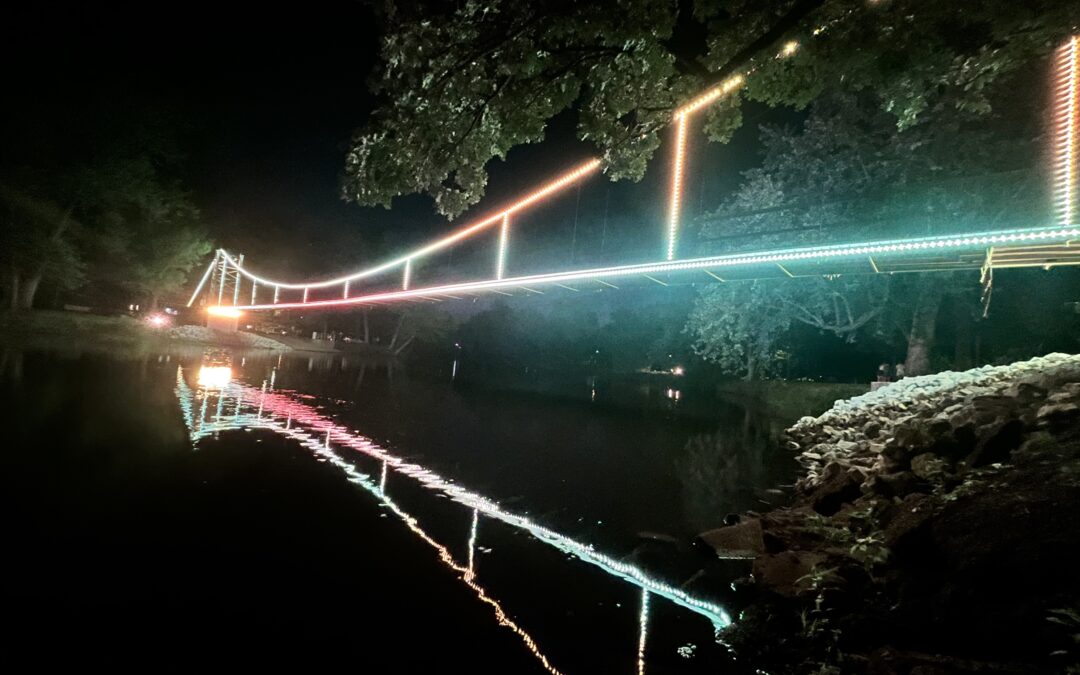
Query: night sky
(267, 99)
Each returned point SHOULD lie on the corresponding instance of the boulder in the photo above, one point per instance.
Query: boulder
(741, 540)
(786, 572)
(836, 486)
(928, 466)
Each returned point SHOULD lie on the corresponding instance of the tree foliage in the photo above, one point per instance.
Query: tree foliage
(102, 205)
(464, 82)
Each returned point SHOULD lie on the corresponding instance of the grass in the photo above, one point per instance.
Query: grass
(788, 399)
(22, 326)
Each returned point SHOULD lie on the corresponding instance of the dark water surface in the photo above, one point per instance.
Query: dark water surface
(327, 510)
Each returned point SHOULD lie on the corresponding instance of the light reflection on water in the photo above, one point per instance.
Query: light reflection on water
(239, 406)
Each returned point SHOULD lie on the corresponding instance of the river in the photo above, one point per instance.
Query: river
(329, 509)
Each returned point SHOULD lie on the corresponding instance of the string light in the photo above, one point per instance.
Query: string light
(202, 282)
(1067, 117)
(813, 253)
(676, 184)
(643, 631)
(537, 195)
(500, 263)
(726, 87)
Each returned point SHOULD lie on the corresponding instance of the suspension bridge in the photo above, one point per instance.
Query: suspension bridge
(229, 285)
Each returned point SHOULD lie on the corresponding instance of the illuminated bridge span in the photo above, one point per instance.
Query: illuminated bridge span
(227, 281)
(220, 403)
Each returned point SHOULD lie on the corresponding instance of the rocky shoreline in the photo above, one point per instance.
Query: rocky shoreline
(933, 531)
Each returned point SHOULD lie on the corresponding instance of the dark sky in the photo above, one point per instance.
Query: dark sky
(269, 95)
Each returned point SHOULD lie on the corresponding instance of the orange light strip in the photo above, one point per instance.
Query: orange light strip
(546, 190)
(676, 184)
(726, 87)
(1067, 116)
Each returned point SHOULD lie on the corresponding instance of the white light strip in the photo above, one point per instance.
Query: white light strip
(202, 282)
(405, 279)
(897, 246)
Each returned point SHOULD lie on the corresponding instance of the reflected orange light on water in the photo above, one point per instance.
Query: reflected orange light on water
(215, 377)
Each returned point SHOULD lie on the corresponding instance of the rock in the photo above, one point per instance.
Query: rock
(742, 540)
(836, 486)
(871, 429)
(928, 466)
(996, 443)
(786, 572)
(899, 484)
(908, 518)
(1057, 415)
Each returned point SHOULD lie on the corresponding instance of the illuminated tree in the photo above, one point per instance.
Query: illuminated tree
(462, 83)
(851, 174)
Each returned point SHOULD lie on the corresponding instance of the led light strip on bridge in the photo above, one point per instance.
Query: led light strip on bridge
(273, 407)
(813, 253)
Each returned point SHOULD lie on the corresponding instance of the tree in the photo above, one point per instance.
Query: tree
(738, 327)
(851, 174)
(164, 259)
(95, 203)
(463, 83)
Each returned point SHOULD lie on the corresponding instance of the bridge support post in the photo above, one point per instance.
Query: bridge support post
(221, 281)
(676, 184)
(504, 231)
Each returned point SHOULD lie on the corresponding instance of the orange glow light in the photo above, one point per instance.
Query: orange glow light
(218, 310)
(214, 377)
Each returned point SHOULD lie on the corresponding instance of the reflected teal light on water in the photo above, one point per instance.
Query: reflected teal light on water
(323, 433)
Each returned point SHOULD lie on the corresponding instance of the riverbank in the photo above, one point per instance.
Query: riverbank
(932, 531)
(44, 327)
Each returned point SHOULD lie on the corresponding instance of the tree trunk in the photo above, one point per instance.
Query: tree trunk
(962, 328)
(923, 330)
(404, 345)
(28, 290)
(751, 366)
(14, 289)
(393, 339)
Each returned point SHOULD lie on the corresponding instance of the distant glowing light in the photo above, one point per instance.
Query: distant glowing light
(676, 185)
(790, 47)
(214, 377)
(158, 320)
(677, 370)
(1066, 120)
(228, 312)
